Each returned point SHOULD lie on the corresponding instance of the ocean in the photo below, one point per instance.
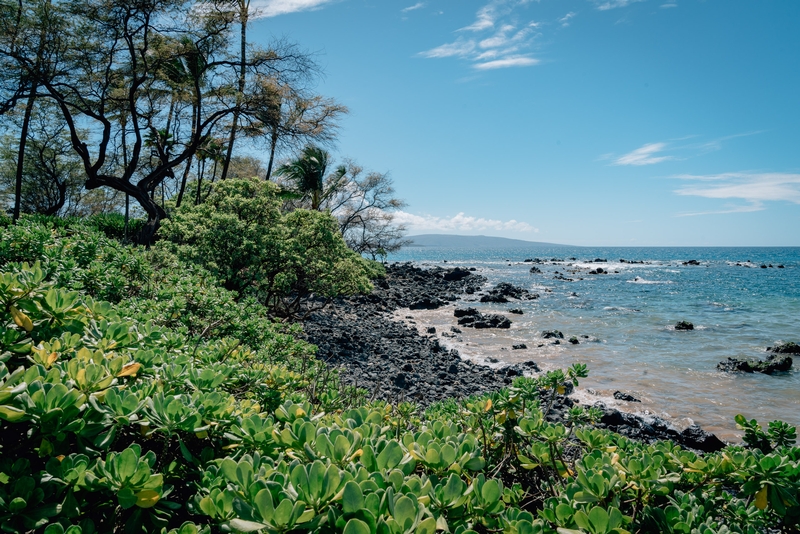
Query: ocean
(625, 322)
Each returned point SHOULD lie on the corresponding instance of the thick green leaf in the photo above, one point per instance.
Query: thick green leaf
(426, 527)
(405, 512)
(490, 491)
(246, 526)
(263, 504)
(352, 498)
(283, 513)
(126, 497)
(598, 517)
(354, 526)
(390, 456)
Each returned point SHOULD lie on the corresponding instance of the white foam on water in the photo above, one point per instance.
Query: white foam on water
(640, 280)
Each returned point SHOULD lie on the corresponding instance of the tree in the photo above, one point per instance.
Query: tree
(31, 39)
(162, 70)
(363, 203)
(243, 13)
(53, 176)
(288, 119)
(294, 263)
(244, 167)
(306, 174)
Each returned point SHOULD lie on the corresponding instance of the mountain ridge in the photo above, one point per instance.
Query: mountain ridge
(473, 241)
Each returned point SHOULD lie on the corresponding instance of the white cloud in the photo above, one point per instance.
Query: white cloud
(665, 6)
(484, 19)
(459, 48)
(507, 62)
(499, 41)
(613, 4)
(460, 222)
(754, 188)
(565, 19)
(645, 155)
(412, 8)
(273, 8)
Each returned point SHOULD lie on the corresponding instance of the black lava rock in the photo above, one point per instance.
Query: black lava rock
(625, 397)
(786, 348)
(684, 325)
(696, 438)
(472, 318)
(426, 304)
(773, 364)
(550, 334)
(519, 346)
(457, 274)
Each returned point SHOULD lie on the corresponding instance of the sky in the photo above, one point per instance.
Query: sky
(582, 122)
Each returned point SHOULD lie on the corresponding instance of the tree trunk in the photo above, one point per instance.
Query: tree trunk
(62, 199)
(155, 214)
(272, 145)
(23, 140)
(201, 166)
(188, 162)
(244, 8)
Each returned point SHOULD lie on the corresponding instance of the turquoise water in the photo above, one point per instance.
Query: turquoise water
(628, 315)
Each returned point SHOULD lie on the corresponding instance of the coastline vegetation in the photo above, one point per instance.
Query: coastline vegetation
(139, 394)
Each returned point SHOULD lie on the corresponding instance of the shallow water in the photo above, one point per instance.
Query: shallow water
(628, 316)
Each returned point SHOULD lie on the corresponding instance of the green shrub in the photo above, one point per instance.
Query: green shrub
(290, 262)
(112, 225)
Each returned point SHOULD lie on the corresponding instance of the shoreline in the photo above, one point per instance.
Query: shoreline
(397, 362)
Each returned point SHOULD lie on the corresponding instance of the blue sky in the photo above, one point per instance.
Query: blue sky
(585, 122)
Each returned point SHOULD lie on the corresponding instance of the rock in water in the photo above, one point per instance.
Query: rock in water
(786, 348)
(773, 364)
(504, 291)
(456, 274)
(549, 334)
(625, 397)
(472, 318)
(684, 325)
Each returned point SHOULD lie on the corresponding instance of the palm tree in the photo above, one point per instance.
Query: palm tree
(307, 173)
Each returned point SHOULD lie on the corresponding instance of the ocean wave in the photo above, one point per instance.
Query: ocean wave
(640, 280)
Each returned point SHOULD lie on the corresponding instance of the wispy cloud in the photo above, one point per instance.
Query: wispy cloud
(460, 48)
(645, 155)
(418, 5)
(716, 144)
(460, 222)
(604, 5)
(485, 18)
(495, 39)
(666, 6)
(503, 35)
(755, 188)
(273, 8)
(680, 148)
(507, 62)
(565, 19)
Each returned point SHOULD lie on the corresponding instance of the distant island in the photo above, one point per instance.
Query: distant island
(473, 241)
